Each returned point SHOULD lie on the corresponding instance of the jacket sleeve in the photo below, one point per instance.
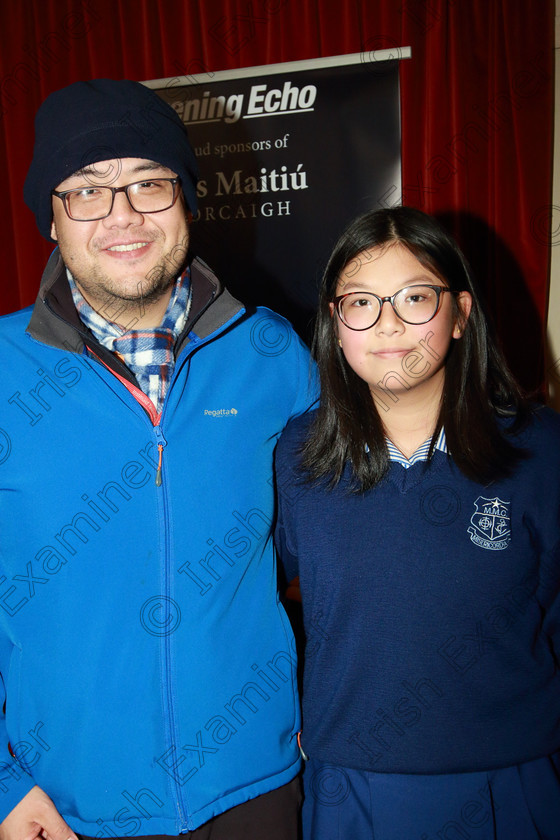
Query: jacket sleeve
(15, 782)
(305, 377)
(287, 555)
(289, 488)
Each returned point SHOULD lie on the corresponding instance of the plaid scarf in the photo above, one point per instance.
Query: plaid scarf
(147, 353)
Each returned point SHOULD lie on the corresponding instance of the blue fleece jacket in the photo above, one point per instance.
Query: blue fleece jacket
(431, 608)
(147, 664)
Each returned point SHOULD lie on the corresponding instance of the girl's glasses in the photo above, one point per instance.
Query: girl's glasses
(413, 305)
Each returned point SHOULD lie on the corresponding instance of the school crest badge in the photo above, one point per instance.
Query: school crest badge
(491, 523)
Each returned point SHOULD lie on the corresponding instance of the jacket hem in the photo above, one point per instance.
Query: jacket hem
(151, 826)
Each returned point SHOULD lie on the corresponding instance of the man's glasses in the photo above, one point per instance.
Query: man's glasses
(87, 204)
(413, 305)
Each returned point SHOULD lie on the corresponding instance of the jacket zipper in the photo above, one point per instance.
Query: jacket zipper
(158, 471)
(155, 422)
(166, 651)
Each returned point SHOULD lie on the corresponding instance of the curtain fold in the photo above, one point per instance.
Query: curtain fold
(477, 113)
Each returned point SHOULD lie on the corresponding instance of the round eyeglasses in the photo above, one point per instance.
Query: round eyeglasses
(88, 204)
(413, 305)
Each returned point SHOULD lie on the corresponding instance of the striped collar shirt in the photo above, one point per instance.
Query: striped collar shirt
(421, 453)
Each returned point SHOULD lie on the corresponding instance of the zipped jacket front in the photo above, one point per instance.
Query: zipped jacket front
(148, 667)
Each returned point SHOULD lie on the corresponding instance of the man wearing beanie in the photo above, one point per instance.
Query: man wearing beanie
(147, 665)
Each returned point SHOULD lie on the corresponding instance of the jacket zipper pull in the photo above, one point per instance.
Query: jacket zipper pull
(158, 471)
(160, 444)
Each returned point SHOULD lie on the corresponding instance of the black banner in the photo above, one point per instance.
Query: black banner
(288, 155)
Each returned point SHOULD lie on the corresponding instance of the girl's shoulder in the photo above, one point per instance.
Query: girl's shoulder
(288, 455)
(542, 426)
(296, 432)
(538, 436)
(546, 417)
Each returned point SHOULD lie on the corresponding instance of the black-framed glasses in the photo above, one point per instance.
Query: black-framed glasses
(413, 305)
(88, 204)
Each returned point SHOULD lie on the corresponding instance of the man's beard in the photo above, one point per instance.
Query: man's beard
(126, 307)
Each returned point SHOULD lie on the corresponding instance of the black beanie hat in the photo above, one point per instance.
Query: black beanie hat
(88, 122)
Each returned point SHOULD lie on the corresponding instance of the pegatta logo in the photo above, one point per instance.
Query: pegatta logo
(220, 412)
(260, 102)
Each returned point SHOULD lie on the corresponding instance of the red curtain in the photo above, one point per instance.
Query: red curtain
(477, 112)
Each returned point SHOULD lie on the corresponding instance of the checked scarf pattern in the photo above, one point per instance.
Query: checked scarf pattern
(148, 353)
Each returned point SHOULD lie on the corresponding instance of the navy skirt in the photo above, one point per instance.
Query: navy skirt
(513, 803)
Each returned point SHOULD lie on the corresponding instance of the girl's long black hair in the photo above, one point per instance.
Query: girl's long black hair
(479, 390)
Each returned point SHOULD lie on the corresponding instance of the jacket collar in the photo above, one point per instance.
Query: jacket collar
(54, 320)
